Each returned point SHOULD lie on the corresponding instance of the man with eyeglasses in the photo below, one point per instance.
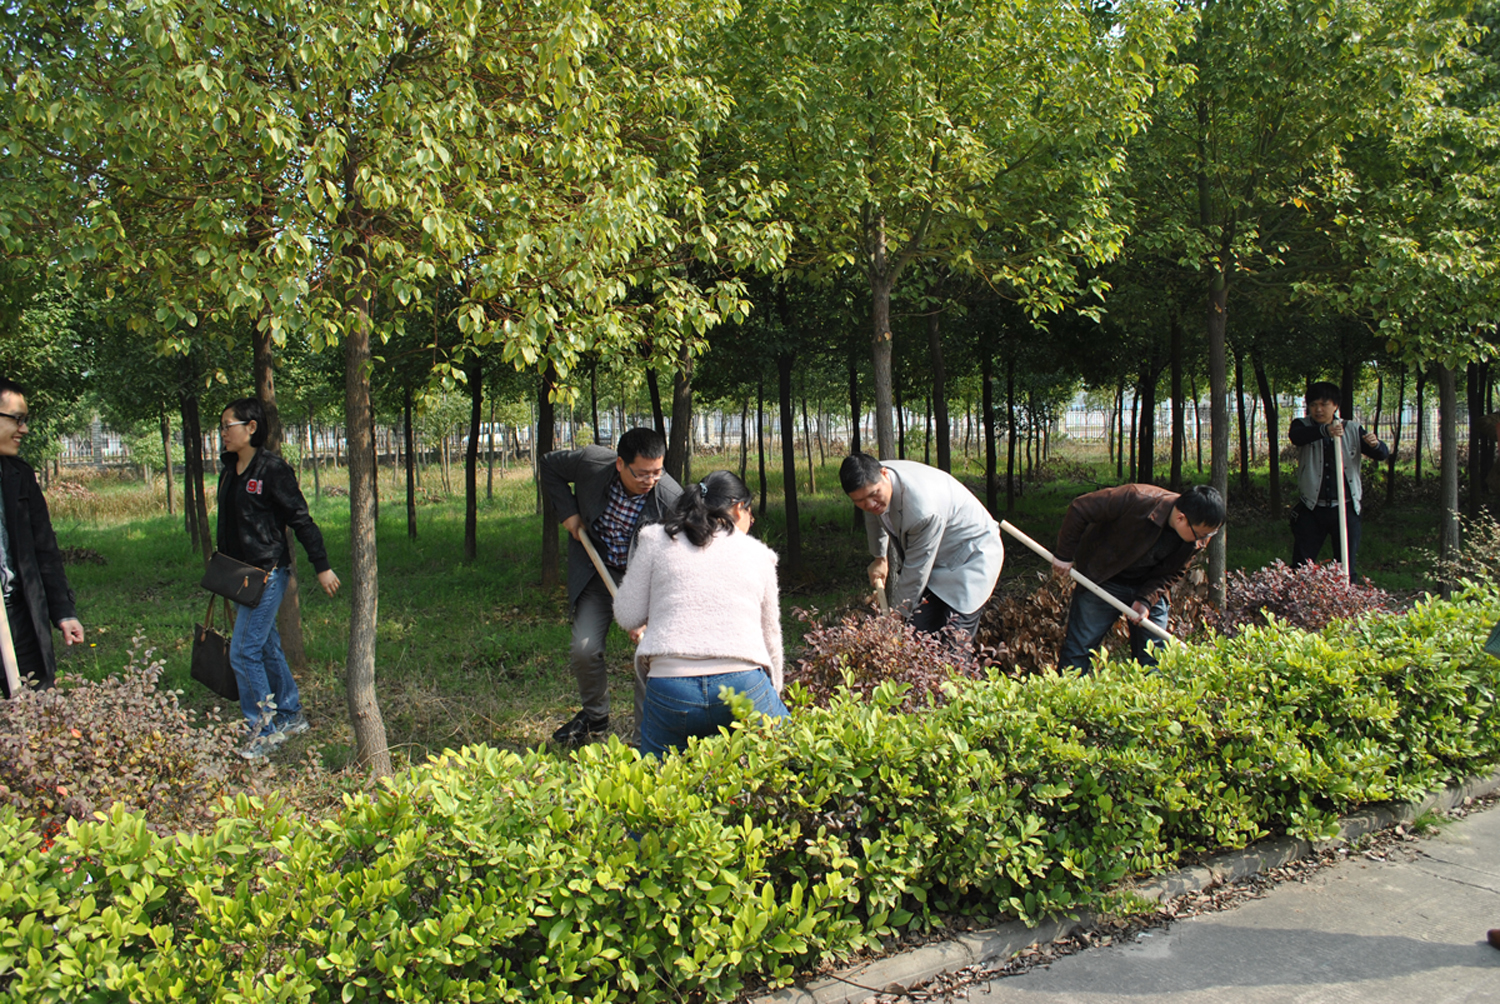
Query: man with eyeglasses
(1135, 541)
(37, 594)
(610, 495)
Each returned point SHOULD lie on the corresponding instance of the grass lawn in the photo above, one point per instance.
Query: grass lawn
(471, 653)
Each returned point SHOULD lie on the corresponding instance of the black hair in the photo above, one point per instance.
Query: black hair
(703, 509)
(249, 409)
(857, 471)
(8, 386)
(1325, 391)
(641, 442)
(1202, 505)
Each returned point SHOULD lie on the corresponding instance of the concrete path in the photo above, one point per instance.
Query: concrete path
(1408, 931)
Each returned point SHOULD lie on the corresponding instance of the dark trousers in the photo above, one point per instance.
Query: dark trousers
(1310, 527)
(932, 615)
(29, 658)
(1090, 618)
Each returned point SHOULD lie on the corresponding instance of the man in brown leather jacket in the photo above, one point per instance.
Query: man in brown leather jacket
(1135, 541)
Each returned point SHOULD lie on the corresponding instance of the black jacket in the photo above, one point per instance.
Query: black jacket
(268, 502)
(35, 556)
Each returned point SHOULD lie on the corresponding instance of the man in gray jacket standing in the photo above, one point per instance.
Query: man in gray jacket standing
(1316, 514)
(941, 541)
(610, 495)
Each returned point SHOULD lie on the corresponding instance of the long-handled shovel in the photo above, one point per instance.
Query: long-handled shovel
(880, 597)
(1090, 585)
(8, 656)
(1338, 463)
(609, 580)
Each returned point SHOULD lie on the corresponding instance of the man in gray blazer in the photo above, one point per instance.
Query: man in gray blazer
(610, 495)
(944, 545)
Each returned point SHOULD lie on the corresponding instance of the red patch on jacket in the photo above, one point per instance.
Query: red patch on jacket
(253, 486)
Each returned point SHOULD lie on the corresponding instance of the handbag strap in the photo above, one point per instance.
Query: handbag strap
(208, 616)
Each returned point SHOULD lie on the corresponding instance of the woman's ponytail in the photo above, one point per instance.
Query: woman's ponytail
(705, 508)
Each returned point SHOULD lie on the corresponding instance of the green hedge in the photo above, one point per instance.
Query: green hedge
(489, 876)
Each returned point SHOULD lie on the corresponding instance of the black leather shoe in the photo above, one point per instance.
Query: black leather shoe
(581, 729)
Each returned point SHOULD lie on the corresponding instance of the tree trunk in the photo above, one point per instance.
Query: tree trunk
(1421, 417)
(854, 417)
(939, 393)
(927, 430)
(1239, 397)
(1010, 431)
(882, 279)
(593, 405)
(812, 473)
(760, 440)
(900, 423)
(1474, 390)
(193, 437)
(489, 442)
(1218, 421)
(471, 459)
(374, 465)
(1120, 431)
(1179, 406)
(682, 415)
(1273, 425)
(991, 475)
(784, 362)
(744, 437)
(545, 418)
(189, 496)
(1145, 470)
(1390, 463)
(166, 454)
(411, 466)
(1135, 411)
(371, 749)
(658, 420)
(1348, 374)
(1197, 425)
(1448, 539)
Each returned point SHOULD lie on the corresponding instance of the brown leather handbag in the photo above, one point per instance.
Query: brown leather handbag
(234, 580)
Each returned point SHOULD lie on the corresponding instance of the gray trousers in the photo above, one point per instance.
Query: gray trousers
(592, 615)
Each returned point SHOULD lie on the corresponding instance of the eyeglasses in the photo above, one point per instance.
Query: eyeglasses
(231, 425)
(21, 419)
(1203, 537)
(646, 475)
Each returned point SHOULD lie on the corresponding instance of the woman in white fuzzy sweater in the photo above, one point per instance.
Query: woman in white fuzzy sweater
(705, 593)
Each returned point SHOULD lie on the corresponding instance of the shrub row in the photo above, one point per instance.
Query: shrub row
(492, 876)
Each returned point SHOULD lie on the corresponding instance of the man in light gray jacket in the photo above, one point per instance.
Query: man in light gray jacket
(942, 543)
(1316, 514)
(610, 495)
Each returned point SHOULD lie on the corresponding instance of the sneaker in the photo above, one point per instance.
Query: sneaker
(293, 726)
(580, 729)
(261, 746)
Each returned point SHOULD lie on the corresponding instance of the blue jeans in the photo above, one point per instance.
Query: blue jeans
(1090, 618)
(259, 666)
(681, 706)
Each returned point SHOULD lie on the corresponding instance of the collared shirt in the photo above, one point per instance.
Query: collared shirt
(617, 523)
(7, 567)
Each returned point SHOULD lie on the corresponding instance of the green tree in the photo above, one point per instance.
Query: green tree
(905, 130)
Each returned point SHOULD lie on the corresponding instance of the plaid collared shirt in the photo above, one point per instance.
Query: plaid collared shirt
(616, 524)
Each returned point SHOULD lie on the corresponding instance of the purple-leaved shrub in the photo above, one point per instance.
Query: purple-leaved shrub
(1308, 597)
(873, 648)
(72, 751)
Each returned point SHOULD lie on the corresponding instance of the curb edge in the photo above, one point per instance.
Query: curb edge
(896, 973)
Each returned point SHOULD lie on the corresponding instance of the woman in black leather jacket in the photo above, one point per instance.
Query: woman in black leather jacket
(258, 500)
